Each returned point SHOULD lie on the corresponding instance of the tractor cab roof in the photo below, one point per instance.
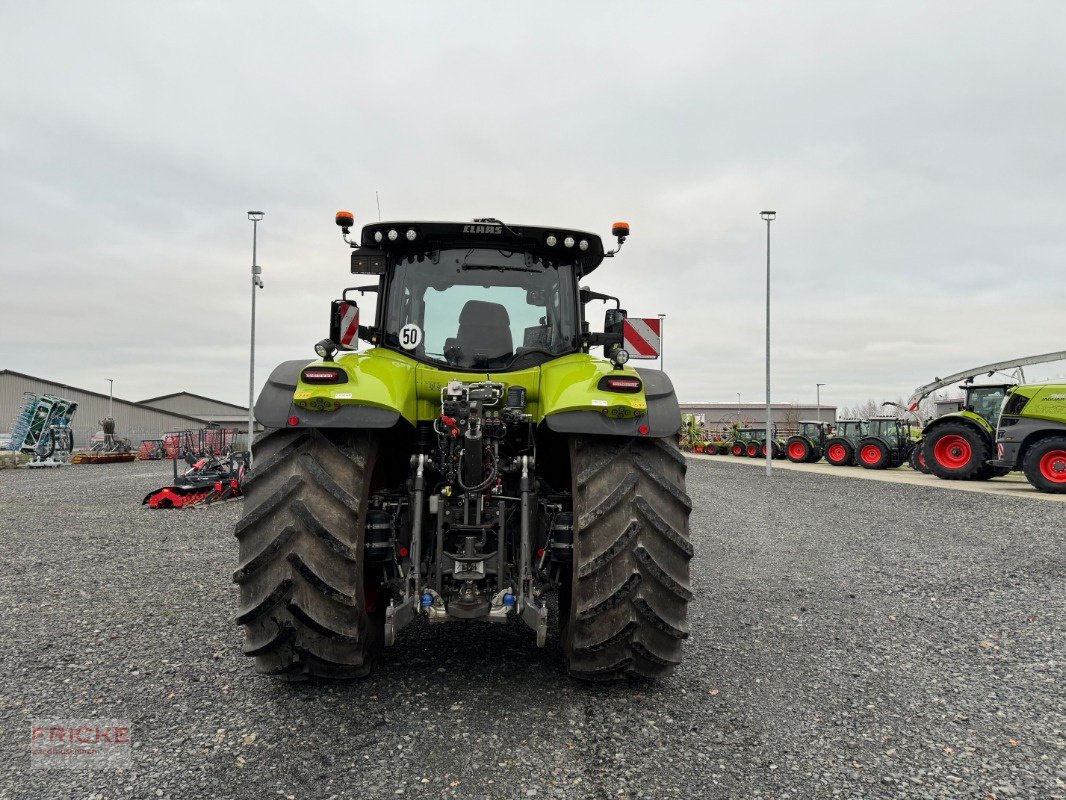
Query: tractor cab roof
(814, 422)
(971, 386)
(563, 246)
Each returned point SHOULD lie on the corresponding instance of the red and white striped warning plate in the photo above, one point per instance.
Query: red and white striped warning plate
(349, 325)
(641, 337)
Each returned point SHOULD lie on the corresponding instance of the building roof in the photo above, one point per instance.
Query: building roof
(753, 406)
(197, 420)
(151, 400)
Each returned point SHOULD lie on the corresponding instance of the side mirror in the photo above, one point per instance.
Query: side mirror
(344, 324)
(613, 319)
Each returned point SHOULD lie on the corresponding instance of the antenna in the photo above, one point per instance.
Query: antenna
(379, 205)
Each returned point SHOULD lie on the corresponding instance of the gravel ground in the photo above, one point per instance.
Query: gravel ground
(849, 639)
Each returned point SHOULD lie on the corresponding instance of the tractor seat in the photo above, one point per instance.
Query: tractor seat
(484, 334)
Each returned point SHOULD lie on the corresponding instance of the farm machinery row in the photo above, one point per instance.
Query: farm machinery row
(994, 429)
(878, 443)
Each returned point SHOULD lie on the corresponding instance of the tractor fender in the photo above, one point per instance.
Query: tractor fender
(969, 417)
(663, 417)
(274, 407)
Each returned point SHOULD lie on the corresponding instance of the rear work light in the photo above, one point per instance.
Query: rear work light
(618, 384)
(323, 375)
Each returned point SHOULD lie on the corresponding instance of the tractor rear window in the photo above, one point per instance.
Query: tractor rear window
(481, 309)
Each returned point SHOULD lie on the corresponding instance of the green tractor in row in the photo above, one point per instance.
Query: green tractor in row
(473, 461)
(743, 438)
(889, 442)
(752, 442)
(1031, 435)
(809, 445)
(841, 448)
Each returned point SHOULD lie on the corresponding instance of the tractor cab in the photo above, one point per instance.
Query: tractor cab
(815, 431)
(986, 401)
(750, 434)
(851, 429)
(480, 297)
(888, 428)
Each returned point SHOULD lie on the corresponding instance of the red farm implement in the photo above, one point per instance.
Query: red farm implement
(215, 473)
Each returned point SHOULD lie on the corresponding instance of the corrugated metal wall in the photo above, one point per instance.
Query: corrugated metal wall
(132, 422)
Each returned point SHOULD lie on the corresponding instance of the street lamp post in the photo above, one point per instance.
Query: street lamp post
(768, 216)
(257, 283)
(111, 398)
(738, 409)
(662, 343)
(818, 398)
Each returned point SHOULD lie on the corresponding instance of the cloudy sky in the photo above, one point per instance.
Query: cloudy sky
(915, 154)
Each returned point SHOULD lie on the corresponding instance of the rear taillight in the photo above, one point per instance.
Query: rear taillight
(323, 375)
(610, 383)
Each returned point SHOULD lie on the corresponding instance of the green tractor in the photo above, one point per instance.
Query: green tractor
(889, 442)
(842, 446)
(744, 438)
(809, 444)
(959, 444)
(1031, 435)
(751, 442)
(473, 461)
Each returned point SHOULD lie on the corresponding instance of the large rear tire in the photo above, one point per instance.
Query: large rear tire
(624, 611)
(303, 594)
(957, 452)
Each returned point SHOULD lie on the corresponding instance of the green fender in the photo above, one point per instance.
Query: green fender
(959, 416)
(378, 392)
(382, 387)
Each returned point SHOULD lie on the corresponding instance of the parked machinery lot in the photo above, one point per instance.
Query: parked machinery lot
(909, 649)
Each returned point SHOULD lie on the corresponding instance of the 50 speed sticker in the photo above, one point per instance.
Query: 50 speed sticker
(410, 336)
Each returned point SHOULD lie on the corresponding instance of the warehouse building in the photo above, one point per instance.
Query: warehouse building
(719, 417)
(225, 415)
(133, 420)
